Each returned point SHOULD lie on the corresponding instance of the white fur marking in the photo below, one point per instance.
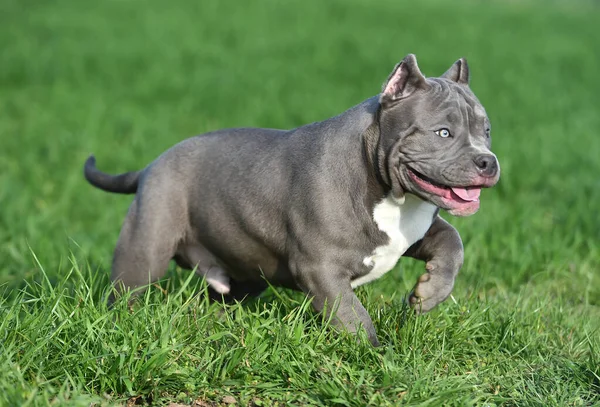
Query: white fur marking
(404, 223)
(218, 280)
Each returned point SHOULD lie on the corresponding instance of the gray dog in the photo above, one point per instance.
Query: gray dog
(322, 208)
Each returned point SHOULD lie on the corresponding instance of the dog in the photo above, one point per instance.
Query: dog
(322, 208)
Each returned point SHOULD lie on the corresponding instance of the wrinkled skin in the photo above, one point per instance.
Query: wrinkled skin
(422, 160)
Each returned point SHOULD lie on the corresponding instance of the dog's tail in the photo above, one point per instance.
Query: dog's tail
(126, 183)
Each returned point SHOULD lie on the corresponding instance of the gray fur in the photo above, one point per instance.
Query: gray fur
(296, 207)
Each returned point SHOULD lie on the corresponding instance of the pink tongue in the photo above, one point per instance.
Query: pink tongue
(467, 194)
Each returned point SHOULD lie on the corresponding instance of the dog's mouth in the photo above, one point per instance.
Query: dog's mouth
(460, 201)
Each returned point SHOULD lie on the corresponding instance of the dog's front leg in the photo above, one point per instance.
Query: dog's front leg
(442, 250)
(332, 293)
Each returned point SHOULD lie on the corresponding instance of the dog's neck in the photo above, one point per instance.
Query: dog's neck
(375, 155)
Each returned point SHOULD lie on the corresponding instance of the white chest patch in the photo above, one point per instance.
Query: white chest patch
(404, 223)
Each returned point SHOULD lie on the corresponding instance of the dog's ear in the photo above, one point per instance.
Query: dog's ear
(402, 82)
(458, 72)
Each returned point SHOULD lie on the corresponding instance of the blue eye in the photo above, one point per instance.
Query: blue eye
(443, 133)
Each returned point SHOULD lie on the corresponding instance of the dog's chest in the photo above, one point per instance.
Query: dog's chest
(404, 224)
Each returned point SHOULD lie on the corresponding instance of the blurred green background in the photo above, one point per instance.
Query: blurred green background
(126, 79)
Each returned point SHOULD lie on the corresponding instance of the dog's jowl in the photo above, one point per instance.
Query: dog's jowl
(322, 208)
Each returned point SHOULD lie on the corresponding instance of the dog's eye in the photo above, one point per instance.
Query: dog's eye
(443, 133)
(487, 132)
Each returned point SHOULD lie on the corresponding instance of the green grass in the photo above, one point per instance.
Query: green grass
(128, 79)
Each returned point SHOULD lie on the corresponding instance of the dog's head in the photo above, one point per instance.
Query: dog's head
(435, 138)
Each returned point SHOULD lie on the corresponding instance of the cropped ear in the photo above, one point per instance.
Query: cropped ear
(403, 81)
(458, 72)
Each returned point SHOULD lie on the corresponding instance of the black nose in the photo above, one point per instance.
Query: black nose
(486, 164)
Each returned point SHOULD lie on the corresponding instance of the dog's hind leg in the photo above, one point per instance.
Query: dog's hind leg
(192, 255)
(146, 244)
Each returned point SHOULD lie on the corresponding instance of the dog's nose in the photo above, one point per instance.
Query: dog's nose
(486, 164)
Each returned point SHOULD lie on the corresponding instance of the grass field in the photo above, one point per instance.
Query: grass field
(128, 79)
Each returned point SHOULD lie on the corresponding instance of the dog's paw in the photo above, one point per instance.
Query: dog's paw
(217, 284)
(430, 290)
